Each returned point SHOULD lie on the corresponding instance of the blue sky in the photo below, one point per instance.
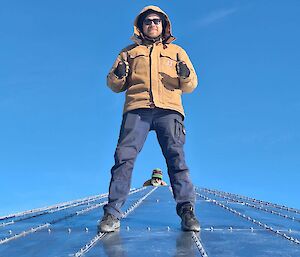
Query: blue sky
(59, 122)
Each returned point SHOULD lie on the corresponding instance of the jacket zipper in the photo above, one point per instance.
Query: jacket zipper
(150, 62)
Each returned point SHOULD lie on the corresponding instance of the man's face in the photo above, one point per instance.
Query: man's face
(155, 181)
(152, 26)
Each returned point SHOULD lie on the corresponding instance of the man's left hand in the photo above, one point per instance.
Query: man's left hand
(182, 69)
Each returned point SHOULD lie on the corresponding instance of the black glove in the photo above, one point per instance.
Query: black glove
(182, 69)
(122, 69)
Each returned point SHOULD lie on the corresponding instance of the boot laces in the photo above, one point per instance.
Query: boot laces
(110, 217)
(189, 213)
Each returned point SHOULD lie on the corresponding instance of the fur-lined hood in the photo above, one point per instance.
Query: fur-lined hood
(166, 37)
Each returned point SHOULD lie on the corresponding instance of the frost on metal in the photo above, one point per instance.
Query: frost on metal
(231, 225)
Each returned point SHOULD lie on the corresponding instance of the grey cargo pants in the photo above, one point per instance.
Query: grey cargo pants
(170, 131)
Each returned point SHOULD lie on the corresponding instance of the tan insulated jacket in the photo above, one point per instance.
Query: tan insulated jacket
(153, 79)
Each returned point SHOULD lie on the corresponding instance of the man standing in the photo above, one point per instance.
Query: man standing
(154, 73)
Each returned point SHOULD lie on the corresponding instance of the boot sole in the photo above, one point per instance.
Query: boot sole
(195, 229)
(106, 229)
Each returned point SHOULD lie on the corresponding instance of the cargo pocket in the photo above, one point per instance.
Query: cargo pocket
(179, 131)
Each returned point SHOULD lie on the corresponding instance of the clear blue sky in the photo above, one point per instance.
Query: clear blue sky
(59, 122)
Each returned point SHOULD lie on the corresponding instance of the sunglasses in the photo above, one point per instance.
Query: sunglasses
(149, 21)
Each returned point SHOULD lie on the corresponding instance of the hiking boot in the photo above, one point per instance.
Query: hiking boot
(189, 221)
(109, 223)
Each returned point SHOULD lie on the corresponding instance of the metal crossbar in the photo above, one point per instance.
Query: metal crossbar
(265, 226)
(40, 227)
(258, 207)
(99, 236)
(199, 245)
(277, 206)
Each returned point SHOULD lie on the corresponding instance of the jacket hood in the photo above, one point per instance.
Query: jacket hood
(167, 32)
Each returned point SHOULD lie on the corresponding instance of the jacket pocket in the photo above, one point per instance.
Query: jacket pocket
(139, 62)
(168, 64)
(167, 71)
(179, 131)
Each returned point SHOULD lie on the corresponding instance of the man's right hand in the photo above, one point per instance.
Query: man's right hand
(122, 69)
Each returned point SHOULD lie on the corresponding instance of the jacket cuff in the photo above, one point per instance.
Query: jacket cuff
(185, 80)
(115, 83)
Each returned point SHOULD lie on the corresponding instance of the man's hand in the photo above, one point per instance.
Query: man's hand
(182, 69)
(122, 69)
